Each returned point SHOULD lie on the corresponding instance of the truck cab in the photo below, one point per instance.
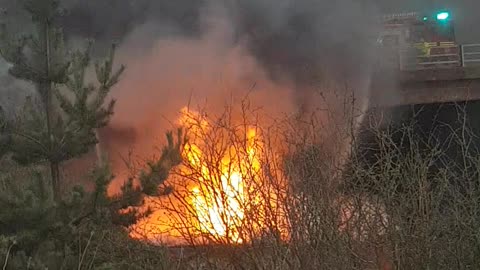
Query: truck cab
(413, 41)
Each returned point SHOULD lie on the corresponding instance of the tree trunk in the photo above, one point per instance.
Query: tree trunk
(47, 95)
(98, 150)
(55, 174)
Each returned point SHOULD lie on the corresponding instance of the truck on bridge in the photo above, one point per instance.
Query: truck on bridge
(419, 61)
(414, 41)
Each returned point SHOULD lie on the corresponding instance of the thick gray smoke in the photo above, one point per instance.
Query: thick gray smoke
(282, 52)
(12, 91)
(295, 38)
(299, 40)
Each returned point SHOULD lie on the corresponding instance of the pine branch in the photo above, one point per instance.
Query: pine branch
(159, 169)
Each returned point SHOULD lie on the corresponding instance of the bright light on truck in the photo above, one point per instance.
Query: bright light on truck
(443, 16)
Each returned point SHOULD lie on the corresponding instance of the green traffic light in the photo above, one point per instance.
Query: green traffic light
(425, 18)
(443, 16)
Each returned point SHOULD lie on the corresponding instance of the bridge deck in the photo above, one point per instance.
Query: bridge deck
(395, 88)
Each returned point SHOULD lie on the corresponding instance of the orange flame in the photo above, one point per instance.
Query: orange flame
(221, 211)
(220, 203)
(220, 189)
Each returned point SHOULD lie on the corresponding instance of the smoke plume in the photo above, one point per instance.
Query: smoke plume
(282, 55)
(287, 55)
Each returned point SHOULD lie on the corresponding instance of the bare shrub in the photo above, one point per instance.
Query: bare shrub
(427, 181)
(230, 189)
(323, 196)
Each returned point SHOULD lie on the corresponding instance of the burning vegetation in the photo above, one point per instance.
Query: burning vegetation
(272, 190)
(228, 190)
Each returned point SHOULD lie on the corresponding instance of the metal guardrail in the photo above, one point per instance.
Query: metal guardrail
(470, 55)
(411, 59)
(430, 56)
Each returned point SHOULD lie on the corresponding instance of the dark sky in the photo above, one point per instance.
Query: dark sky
(300, 35)
(304, 34)
(465, 11)
(122, 14)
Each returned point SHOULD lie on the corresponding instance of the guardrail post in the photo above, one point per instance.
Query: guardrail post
(462, 56)
(471, 54)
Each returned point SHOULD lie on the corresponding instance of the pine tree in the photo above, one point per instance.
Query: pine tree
(63, 125)
(42, 227)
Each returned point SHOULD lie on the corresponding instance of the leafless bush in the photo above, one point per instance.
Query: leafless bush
(324, 196)
(230, 189)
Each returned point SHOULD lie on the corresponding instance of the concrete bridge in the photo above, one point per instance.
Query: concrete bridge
(438, 78)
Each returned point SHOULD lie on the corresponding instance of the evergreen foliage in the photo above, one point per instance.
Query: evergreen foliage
(159, 169)
(63, 125)
(38, 232)
(45, 228)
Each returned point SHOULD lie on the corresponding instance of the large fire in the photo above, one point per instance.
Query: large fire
(223, 192)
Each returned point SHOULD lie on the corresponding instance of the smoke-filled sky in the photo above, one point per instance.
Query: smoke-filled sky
(304, 28)
(179, 50)
(115, 17)
(299, 41)
(284, 35)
